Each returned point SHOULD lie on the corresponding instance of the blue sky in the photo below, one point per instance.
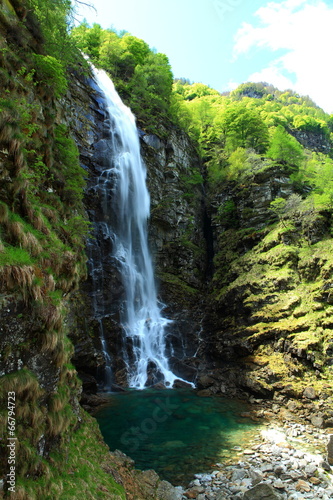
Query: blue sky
(223, 43)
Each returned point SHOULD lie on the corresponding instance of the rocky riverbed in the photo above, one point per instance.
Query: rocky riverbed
(289, 461)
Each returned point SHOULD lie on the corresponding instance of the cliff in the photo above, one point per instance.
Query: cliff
(268, 325)
(58, 451)
(176, 241)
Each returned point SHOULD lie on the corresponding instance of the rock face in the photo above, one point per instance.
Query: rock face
(269, 302)
(176, 240)
(313, 140)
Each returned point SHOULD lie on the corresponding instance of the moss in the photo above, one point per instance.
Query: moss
(172, 279)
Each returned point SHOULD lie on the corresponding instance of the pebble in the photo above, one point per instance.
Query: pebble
(277, 461)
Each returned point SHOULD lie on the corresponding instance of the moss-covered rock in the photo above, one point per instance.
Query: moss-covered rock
(270, 297)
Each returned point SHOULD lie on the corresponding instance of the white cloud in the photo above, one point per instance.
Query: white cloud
(303, 28)
(233, 85)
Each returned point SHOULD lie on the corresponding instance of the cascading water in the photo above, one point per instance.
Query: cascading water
(126, 203)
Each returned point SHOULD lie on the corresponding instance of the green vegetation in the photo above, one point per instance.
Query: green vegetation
(271, 283)
(42, 237)
(142, 77)
(250, 129)
(285, 148)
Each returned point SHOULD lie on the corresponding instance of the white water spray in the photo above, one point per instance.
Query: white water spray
(141, 316)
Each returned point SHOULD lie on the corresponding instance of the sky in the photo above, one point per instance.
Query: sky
(223, 43)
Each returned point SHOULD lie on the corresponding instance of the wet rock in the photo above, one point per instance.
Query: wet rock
(181, 384)
(89, 383)
(205, 381)
(92, 401)
(153, 141)
(182, 370)
(159, 386)
(117, 388)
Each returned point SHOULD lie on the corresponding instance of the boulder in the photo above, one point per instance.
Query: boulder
(309, 393)
(166, 491)
(262, 491)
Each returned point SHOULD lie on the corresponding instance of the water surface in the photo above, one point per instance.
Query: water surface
(175, 432)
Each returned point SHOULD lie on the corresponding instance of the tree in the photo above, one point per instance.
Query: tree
(243, 127)
(89, 39)
(285, 148)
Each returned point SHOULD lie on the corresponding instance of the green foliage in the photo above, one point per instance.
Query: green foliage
(51, 73)
(67, 169)
(55, 18)
(278, 207)
(250, 89)
(142, 77)
(227, 214)
(88, 39)
(284, 147)
(311, 124)
(192, 91)
(315, 177)
(243, 127)
(238, 162)
(15, 256)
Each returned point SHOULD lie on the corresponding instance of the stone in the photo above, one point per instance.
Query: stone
(279, 484)
(238, 475)
(267, 468)
(279, 469)
(181, 384)
(309, 393)
(167, 491)
(315, 480)
(317, 421)
(193, 493)
(256, 476)
(303, 486)
(262, 491)
(310, 469)
(324, 465)
(205, 381)
(330, 449)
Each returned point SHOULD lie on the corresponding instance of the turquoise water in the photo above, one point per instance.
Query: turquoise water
(174, 432)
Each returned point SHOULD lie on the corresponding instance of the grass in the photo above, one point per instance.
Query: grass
(79, 469)
(15, 256)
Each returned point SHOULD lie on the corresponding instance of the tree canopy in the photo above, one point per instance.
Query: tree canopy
(142, 77)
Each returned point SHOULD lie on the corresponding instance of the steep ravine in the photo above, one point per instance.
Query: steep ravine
(258, 318)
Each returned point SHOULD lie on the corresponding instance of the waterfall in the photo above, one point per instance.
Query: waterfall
(126, 205)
